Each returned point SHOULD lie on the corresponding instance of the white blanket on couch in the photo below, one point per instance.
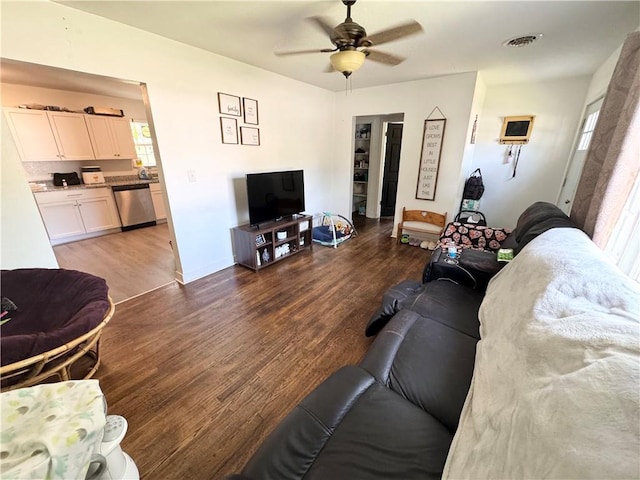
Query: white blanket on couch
(556, 386)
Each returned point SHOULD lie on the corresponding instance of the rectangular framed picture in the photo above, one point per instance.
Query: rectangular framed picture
(249, 136)
(260, 240)
(250, 108)
(432, 137)
(229, 129)
(229, 104)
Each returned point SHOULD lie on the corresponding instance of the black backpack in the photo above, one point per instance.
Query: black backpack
(473, 187)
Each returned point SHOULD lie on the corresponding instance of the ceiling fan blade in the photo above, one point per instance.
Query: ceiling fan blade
(300, 52)
(383, 57)
(327, 28)
(410, 28)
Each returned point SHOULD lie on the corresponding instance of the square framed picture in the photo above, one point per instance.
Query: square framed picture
(229, 129)
(260, 240)
(229, 104)
(249, 136)
(250, 108)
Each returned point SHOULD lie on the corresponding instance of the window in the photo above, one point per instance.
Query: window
(623, 246)
(587, 130)
(144, 143)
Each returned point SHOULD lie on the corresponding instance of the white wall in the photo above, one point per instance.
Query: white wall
(14, 95)
(452, 94)
(301, 127)
(295, 120)
(557, 107)
(470, 148)
(23, 239)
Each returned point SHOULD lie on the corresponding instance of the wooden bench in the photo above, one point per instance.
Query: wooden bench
(421, 221)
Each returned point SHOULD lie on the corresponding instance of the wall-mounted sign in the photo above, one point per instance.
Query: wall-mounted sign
(516, 130)
(430, 158)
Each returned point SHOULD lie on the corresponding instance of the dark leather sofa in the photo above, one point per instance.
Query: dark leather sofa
(394, 415)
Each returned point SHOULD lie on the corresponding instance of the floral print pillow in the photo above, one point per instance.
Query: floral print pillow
(473, 236)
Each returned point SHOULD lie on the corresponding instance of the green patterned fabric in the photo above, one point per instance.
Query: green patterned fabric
(50, 431)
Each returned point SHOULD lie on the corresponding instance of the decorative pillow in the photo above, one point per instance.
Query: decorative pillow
(476, 237)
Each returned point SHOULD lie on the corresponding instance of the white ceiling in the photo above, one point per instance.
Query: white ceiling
(459, 36)
(33, 75)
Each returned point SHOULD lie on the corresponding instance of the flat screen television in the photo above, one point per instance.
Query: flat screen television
(274, 195)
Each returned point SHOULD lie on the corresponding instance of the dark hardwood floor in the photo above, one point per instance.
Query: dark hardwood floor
(204, 372)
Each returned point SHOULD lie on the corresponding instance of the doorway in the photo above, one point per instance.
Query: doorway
(381, 175)
(391, 169)
(570, 184)
(131, 262)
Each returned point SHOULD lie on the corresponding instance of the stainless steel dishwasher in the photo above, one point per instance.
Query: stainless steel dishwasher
(134, 205)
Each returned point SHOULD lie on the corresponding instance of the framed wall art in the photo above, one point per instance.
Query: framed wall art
(249, 136)
(516, 130)
(250, 108)
(229, 104)
(432, 137)
(229, 129)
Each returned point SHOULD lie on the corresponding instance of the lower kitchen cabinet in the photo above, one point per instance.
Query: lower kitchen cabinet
(158, 201)
(75, 214)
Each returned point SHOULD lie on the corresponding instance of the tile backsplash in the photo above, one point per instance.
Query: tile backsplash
(43, 171)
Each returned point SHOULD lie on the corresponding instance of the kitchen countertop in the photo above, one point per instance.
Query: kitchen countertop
(48, 186)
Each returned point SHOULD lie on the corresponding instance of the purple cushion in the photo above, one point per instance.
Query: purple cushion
(54, 307)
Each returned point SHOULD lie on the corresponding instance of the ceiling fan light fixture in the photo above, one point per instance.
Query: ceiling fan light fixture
(347, 61)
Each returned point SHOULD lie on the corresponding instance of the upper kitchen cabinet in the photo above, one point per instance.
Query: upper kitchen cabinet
(43, 136)
(72, 137)
(111, 137)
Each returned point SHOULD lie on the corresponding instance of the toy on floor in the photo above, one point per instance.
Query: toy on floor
(331, 229)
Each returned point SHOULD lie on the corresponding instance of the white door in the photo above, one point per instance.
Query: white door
(570, 184)
(62, 219)
(97, 214)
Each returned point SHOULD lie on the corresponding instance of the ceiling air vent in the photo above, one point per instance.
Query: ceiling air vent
(522, 41)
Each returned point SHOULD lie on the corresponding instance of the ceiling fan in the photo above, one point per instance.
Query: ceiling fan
(352, 44)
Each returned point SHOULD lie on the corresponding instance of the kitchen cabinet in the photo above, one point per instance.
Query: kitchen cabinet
(158, 201)
(43, 136)
(71, 135)
(111, 137)
(78, 213)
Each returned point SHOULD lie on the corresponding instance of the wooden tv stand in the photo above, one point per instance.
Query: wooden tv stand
(257, 248)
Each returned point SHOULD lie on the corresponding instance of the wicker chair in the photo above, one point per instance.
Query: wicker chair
(57, 362)
(59, 322)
